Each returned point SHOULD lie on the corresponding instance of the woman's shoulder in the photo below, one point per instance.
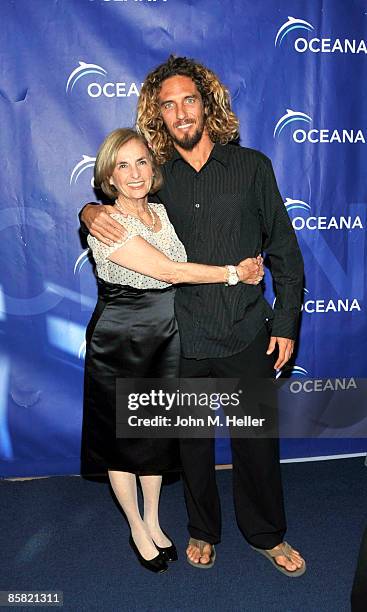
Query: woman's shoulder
(157, 206)
(100, 249)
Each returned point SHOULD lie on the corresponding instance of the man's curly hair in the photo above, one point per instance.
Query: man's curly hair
(220, 121)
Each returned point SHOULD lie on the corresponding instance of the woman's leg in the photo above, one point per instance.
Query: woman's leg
(124, 487)
(151, 486)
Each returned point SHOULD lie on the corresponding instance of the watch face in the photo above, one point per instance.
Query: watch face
(232, 275)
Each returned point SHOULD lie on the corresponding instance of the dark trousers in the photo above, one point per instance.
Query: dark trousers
(257, 487)
(359, 591)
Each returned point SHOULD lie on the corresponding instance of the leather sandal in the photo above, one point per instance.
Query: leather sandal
(284, 550)
(200, 545)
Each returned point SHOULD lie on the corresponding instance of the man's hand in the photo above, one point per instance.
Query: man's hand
(286, 347)
(251, 270)
(101, 225)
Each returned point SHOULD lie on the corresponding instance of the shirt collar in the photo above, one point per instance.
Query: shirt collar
(219, 153)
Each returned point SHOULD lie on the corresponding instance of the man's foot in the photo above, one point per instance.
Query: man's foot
(285, 559)
(200, 553)
(292, 562)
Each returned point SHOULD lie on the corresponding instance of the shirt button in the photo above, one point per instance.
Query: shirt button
(197, 205)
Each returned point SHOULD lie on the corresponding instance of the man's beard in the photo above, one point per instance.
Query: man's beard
(189, 142)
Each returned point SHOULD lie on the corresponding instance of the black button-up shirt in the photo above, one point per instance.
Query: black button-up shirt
(229, 210)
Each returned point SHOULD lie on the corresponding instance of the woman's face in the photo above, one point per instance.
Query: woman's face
(133, 173)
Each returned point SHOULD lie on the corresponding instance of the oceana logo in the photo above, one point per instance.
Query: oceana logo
(82, 350)
(81, 260)
(314, 135)
(318, 306)
(81, 71)
(296, 370)
(319, 385)
(302, 219)
(290, 117)
(85, 163)
(289, 26)
(326, 305)
(317, 44)
(95, 89)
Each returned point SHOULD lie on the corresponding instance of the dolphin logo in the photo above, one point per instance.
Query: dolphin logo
(299, 371)
(83, 257)
(82, 70)
(296, 205)
(82, 350)
(85, 162)
(289, 117)
(288, 26)
(296, 371)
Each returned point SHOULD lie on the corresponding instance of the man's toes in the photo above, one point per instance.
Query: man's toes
(298, 560)
(290, 565)
(280, 560)
(193, 553)
(205, 557)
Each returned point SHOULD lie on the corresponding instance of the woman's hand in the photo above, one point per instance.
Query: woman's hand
(251, 270)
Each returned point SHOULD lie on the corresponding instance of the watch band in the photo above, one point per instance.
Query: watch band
(232, 276)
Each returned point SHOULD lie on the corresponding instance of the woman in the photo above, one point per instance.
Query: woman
(133, 333)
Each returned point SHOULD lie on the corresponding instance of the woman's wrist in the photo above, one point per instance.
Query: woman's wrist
(232, 277)
(239, 271)
(225, 274)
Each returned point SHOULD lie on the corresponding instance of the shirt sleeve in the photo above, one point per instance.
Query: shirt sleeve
(280, 244)
(83, 228)
(102, 251)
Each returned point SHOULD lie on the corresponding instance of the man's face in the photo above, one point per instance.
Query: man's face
(182, 111)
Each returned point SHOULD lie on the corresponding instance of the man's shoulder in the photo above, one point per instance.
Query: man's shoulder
(247, 155)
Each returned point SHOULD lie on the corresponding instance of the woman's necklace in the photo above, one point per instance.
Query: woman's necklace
(152, 216)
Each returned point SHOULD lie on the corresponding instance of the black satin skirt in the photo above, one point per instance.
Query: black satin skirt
(133, 333)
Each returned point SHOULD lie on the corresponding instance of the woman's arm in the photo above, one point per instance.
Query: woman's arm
(138, 255)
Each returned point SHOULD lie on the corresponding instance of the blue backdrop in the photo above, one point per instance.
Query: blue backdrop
(71, 72)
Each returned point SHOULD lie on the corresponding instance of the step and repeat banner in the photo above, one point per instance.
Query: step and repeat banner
(71, 71)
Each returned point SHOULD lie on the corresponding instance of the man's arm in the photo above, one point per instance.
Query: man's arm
(286, 262)
(96, 220)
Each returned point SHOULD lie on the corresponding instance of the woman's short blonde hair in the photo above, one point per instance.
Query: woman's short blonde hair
(106, 161)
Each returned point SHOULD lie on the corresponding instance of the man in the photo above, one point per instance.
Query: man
(225, 206)
(359, 590)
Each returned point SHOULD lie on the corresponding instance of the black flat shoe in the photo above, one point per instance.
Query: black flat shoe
(157, 564)
(169, 552)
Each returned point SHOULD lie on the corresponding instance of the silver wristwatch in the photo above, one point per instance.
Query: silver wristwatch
(232, 276)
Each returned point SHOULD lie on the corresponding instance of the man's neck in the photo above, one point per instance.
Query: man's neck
(199, 155)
